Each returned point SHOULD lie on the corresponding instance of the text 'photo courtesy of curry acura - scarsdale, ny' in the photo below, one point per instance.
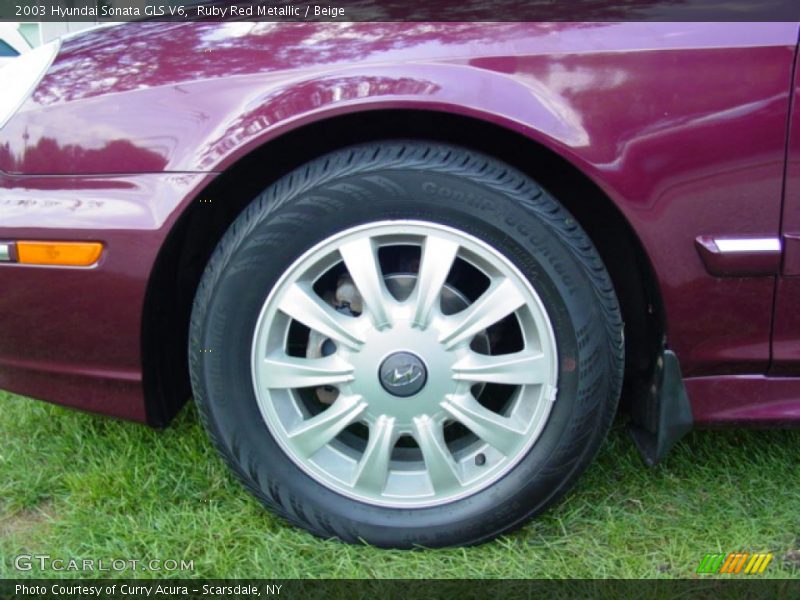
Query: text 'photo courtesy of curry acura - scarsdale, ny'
(515, 280)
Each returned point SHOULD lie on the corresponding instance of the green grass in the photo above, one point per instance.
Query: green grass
(76, 485)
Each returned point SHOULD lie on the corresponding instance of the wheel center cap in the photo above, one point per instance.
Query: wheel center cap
(403, 374)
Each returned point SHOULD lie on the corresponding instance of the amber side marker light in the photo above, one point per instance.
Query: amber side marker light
(69, 254)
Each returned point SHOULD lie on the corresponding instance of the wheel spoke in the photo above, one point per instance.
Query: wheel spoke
(312, 434)
(441, 466)
(302, 304)
(295, 372)
(438, 255)
(502, 433)
(374, 465)
(519, 368)
(361, 259)
(500, 300)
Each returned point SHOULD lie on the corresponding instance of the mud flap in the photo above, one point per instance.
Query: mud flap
(664, 416)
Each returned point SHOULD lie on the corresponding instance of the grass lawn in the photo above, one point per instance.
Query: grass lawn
(75, 485)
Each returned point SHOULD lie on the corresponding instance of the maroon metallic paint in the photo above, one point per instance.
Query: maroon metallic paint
(744, 400)
(682, 125)
(786, 328)
(791, 242)
(73, 335)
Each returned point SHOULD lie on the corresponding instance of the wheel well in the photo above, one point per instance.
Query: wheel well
(189, 245)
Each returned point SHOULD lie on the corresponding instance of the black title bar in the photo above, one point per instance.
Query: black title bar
(399, 10)
(291, 589)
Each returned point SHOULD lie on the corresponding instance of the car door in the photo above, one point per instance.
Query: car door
(786, 327)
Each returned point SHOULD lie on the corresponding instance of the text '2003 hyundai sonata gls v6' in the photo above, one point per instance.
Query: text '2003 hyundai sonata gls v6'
(407, 269)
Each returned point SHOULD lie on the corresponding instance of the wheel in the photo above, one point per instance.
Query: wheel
(406, 343)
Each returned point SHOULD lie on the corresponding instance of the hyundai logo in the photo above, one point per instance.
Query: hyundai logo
(403, 374)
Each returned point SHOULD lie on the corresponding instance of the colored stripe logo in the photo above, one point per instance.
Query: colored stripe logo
(736, 563)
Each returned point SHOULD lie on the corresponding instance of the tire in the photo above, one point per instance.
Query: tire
(404, 197)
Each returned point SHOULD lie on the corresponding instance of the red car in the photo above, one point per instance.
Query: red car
(407, 269)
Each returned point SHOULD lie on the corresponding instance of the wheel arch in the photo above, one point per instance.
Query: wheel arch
(205, 217)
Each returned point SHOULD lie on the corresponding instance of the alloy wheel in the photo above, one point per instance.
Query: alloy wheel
(404, 364)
